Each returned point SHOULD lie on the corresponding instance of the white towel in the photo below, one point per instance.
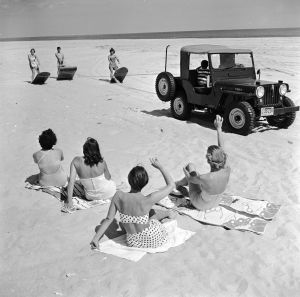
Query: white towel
(119, 248)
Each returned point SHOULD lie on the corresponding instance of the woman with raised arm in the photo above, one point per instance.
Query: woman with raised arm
(93, 173)
(134, 208)
(34, 63)
(204, 190)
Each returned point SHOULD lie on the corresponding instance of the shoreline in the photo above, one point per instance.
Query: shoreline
(232, 33)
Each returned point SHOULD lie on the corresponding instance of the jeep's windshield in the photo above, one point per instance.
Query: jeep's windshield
(229, 60)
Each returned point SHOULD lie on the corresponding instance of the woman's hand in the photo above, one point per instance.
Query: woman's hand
(69, 205)
(218, 122)
(155, 163)
(186, 172)
(94, 245)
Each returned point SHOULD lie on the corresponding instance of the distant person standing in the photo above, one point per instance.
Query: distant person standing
(60, 58)
(203, 74)
(113, 66)
(34, 63)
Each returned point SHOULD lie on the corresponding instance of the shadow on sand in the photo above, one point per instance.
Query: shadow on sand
(206, 120)
(114, 230)
(203, 119)
(32, 179)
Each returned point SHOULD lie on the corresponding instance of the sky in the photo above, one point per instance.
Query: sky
(31, 18)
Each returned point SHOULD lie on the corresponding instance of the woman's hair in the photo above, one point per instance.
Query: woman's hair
(91, 152)
(32, 50)
(216, 157)
(138, 178)
(112, 50)
(58, 48)
(47, 139)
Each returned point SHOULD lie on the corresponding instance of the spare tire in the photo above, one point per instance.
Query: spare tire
(165, 86)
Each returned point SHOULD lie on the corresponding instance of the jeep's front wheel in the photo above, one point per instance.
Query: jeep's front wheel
(180, 108)
(284, 120)
(165, 86)
(240, 117)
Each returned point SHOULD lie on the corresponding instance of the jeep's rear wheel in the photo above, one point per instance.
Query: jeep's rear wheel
(284, 120)
(180, 108)
(165, 86)
(240, 117)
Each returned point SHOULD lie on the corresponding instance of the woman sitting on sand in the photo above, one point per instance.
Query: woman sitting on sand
(113, 66)
(205, 189)
(93, 173)
(49, 160)
(34, 63)
(134, 208)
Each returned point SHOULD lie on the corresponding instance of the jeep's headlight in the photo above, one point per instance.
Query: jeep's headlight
(260, 92)
(282, 89)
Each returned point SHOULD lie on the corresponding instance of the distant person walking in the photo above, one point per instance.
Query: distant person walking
(113, 66)
(60, 58)
(34, 63)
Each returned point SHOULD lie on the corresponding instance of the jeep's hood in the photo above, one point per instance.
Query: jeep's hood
(242, 82)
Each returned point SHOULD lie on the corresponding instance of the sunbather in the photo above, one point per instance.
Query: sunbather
(49, 160)
(134, 208)
(204, 190)
(93, 173)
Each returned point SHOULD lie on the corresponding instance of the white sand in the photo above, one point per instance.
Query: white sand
(40, 245)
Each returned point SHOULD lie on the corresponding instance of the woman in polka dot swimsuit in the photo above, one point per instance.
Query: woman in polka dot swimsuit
(141, 230)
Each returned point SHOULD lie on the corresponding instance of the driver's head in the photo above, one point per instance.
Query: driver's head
(204, 64)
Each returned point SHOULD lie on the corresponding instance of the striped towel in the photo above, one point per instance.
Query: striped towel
(61, 194)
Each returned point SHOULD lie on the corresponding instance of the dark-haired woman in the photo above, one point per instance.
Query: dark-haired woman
(34, 63)
(93, 173)
(134, 209)
(49, 161)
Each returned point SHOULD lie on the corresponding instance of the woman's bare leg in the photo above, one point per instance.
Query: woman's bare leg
(32, 74)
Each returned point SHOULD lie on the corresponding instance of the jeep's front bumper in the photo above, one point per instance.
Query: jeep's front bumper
(284, 110)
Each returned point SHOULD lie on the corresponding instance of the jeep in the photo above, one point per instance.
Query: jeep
(232, 89)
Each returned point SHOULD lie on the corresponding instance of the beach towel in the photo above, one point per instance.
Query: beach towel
(61, 194)
(234, 212)
(119, 248)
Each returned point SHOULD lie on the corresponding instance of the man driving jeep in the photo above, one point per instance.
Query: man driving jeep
(203, 74)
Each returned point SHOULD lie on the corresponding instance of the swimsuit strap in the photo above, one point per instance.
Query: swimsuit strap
(43, 156)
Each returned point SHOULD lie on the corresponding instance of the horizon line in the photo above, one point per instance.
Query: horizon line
(220, 33)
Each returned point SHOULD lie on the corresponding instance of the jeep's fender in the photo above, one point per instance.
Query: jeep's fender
(228, 98)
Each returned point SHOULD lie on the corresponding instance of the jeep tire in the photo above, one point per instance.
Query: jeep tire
(165, 86)
(240, 117)
(283, 120)
(180, 108)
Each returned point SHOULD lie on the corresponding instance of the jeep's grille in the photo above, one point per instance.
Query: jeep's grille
(271, 95)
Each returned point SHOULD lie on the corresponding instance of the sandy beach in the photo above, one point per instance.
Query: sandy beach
(45, 252)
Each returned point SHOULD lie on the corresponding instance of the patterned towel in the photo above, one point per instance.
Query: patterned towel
(61, 194)
(234, 212)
